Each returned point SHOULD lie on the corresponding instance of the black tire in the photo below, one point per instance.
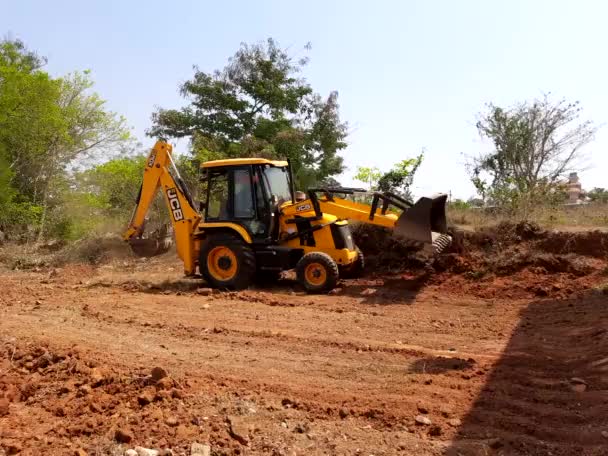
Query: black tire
(319, 263)
(354, 270)
(225, 250)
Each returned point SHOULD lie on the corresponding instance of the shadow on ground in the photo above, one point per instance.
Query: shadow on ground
(548, 393)
(398, 290)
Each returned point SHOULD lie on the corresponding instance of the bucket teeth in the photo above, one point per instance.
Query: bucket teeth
(441, 243)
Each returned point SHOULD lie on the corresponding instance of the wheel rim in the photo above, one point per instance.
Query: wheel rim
(222, 263)
(315, 274)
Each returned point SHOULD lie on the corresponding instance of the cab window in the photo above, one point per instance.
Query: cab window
(217, 202)
(243, 196)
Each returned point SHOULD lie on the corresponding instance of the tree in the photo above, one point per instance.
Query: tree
(46, 126)
(598, 195)
(400, 178)
(459, 204)
(369, 176)
(535, 145)
(475, 202)
(330, 182)
(258, 105)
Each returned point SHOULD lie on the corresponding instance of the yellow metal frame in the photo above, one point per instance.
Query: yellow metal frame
(243, 161)
(183, 216)
(233, 226)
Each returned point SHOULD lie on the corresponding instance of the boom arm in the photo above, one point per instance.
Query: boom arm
(424, 221)
(184, 216)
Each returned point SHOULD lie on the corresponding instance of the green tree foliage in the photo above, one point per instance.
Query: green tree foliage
(113, 186)
(259, 105)
(369, 176)
(598, 195)
(397, 180)
(536, 144)
(459, 204)
(400, 178)
(47, 125)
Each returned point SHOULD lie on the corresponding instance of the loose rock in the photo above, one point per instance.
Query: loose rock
(435, 431)
(4, 407)
(141, 451)
(13, 448)
(454, 422)
(123, 435)
(80, 452)
(423, 420)
(238, 430)
(165, 383)
(605, 434)
(131, 453)
(422, 408)
(204, 291)
(158, 373)
(96, 377)
(171, 421)
(84, 390)
(145, 398)
(199, 449)
(369, 292)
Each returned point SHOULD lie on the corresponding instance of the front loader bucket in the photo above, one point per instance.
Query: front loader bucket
(425, 222)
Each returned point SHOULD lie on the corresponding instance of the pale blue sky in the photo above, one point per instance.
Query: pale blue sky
(410, 74)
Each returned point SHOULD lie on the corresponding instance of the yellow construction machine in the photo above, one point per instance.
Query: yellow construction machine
(253, 224)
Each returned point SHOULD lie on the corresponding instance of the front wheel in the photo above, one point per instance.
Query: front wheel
(317, 272)
(226, 261)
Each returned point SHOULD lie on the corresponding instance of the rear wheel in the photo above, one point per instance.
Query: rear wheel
(354, 270)
(317, 272)
(226, 261)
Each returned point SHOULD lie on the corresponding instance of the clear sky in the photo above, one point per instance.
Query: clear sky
(410, 74)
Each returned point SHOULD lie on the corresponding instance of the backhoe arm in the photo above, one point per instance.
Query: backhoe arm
(184, 216)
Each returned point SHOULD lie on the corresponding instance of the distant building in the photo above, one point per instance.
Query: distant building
(574, 188)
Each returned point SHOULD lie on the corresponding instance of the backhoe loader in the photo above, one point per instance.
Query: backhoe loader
(252, 224)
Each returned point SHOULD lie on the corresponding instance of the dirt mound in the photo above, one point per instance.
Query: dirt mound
(521, 259)
(533, 237)
(83, 399)
(382, 249)
(589, 243)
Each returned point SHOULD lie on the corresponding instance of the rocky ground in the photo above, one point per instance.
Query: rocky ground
(503, 350)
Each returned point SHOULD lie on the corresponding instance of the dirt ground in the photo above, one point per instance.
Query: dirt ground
(509, 360)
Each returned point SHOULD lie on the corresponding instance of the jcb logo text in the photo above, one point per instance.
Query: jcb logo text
(151, 159)
(303, 207)
(176, 208)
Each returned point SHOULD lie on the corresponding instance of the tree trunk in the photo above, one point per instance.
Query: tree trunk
(43, 218)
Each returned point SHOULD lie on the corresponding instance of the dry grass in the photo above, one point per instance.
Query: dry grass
(592, 216)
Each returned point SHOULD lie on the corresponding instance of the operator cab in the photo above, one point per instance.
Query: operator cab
(248, 192)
